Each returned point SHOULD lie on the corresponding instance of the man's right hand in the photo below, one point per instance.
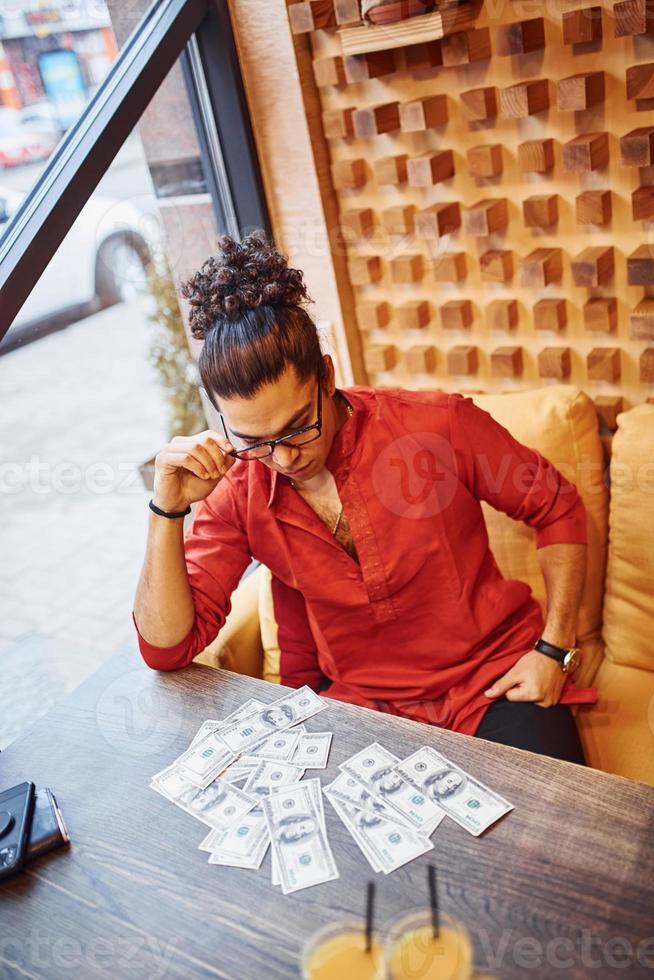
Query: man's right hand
(188, 468)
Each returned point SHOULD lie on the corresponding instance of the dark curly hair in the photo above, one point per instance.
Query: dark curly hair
(246, 304)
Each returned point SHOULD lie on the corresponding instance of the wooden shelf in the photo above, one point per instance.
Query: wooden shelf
(415, 30)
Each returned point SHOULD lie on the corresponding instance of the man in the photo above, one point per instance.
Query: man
(365, 504)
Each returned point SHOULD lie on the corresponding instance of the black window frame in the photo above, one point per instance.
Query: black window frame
(198, 33)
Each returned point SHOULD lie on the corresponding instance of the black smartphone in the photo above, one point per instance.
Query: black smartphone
(48, 830)
(16, 806)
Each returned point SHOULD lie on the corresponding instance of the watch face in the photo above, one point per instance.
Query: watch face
(571, 661)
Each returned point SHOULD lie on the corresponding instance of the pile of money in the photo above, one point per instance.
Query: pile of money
(243, 778)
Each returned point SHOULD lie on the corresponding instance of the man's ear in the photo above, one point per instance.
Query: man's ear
(330, 382)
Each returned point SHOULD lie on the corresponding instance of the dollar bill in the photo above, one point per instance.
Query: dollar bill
(279, 715)
(298, 837)
(243, 845)
(347, 789)
(212, 725)
(218, 805)
(271, 775)
(202, 762)
(374, 766)
(467, 801)
(312, 750)
(341, 809)
(279, 746)
(314, 786)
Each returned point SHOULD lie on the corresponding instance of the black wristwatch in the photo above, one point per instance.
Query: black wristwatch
(568, 659)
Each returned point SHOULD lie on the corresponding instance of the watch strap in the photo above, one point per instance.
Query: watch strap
(550, 650)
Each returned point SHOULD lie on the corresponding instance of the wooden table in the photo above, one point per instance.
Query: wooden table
(563, 886)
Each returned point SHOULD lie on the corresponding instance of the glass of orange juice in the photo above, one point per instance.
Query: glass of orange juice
(338, 952)
(412, 952)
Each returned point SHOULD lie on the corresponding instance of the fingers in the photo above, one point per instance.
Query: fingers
(501, 686)
(175, 461)
(205, 454)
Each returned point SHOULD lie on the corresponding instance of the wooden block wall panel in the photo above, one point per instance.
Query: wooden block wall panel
(421, 359)
(450, 267)
(462, 359)
(520, 37)
(359, 221)
(329, 71)
(541, 267)
(465, 47)
(633, 17)
(554, 362)
(640, 81)
(486, 217)
(582, 26)
(376, 119)
(479, 103)
(349, 174)
(536, 156)
(608, 407)
(581, 91)
(423, 114)
(550, 314)
(601, 314)
(391, 170)
(374, 64)
(541, 211)
(412, 315)
(373, 315)
(399, 220)
(421, 56)
(430, 168)
(457, 314)
(338, 123)
(641, 321)
(637, 147)
(439, 219)
(603, 364)
(640, 266)
(642, 203)
(496, 265)
(407, 268)
(485, 160)
(593, 207)
(506, 362)
(380, 357)
(502, 314)
(524, 99)
(593, 267)
(590, 151)
(646, 366)
(365, 269)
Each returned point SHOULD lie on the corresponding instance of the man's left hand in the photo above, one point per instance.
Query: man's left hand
(534, 677)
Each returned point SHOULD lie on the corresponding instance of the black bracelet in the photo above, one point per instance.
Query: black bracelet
(171, 514)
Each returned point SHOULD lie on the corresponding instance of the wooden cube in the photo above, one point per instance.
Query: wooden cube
(420, 359)
(373, 315)
(457, 314)
(391, 170)
(358, 221)
(593, 267)
(485, 160)
(554, 362)
(486, 217)
(373, 64)
(590, 151)
(418, 57)
(593, 207)
(430, 168)
(633, 17)
(641, 321)
(541, 267)
(581, 91)
(520, 37)
(338, 123)
(637, 147)
(412, 315)
(550, 314)
(640, 81)
(496, 265)
(524, 99)
(479, 103)
(380, 357)
(376, 119)
(608, 407)
(347, 11)
(506, 362)
(601, 314)
(439, 219)
(640, 266)
(646, 365)
(311, 15)
(642, 203)
(364, 269)
(582, 26)
(423, 114)
(329, 71)
(462, 359)
(603, 364)
(349, 174)
(502, 314)
(450, 267)
(541, 211)
(406, 268)
(399, 220)
(536, 156)
(464, 47)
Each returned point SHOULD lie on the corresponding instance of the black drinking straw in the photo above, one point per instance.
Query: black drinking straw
(433, 900)
(370, 911)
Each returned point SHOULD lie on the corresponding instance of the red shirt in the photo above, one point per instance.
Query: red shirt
(424, 622)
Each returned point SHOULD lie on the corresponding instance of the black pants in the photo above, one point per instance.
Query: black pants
(522, 724)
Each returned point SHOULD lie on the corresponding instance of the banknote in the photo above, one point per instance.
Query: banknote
(279, 715)
(298, 837)
(270, 775)
(279, 746)
(316, 796)
(212, 725)
(312, 750)
(340, 808)
(374, 766)
(202, 762)
(463, 798)
(243, 845)
(350, 790)
(218, 805)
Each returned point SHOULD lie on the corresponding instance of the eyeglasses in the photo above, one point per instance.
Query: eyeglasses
(300, 437)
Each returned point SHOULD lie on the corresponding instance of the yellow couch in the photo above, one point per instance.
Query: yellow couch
(616, 622)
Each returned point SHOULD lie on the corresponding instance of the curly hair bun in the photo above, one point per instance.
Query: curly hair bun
(240, 276)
